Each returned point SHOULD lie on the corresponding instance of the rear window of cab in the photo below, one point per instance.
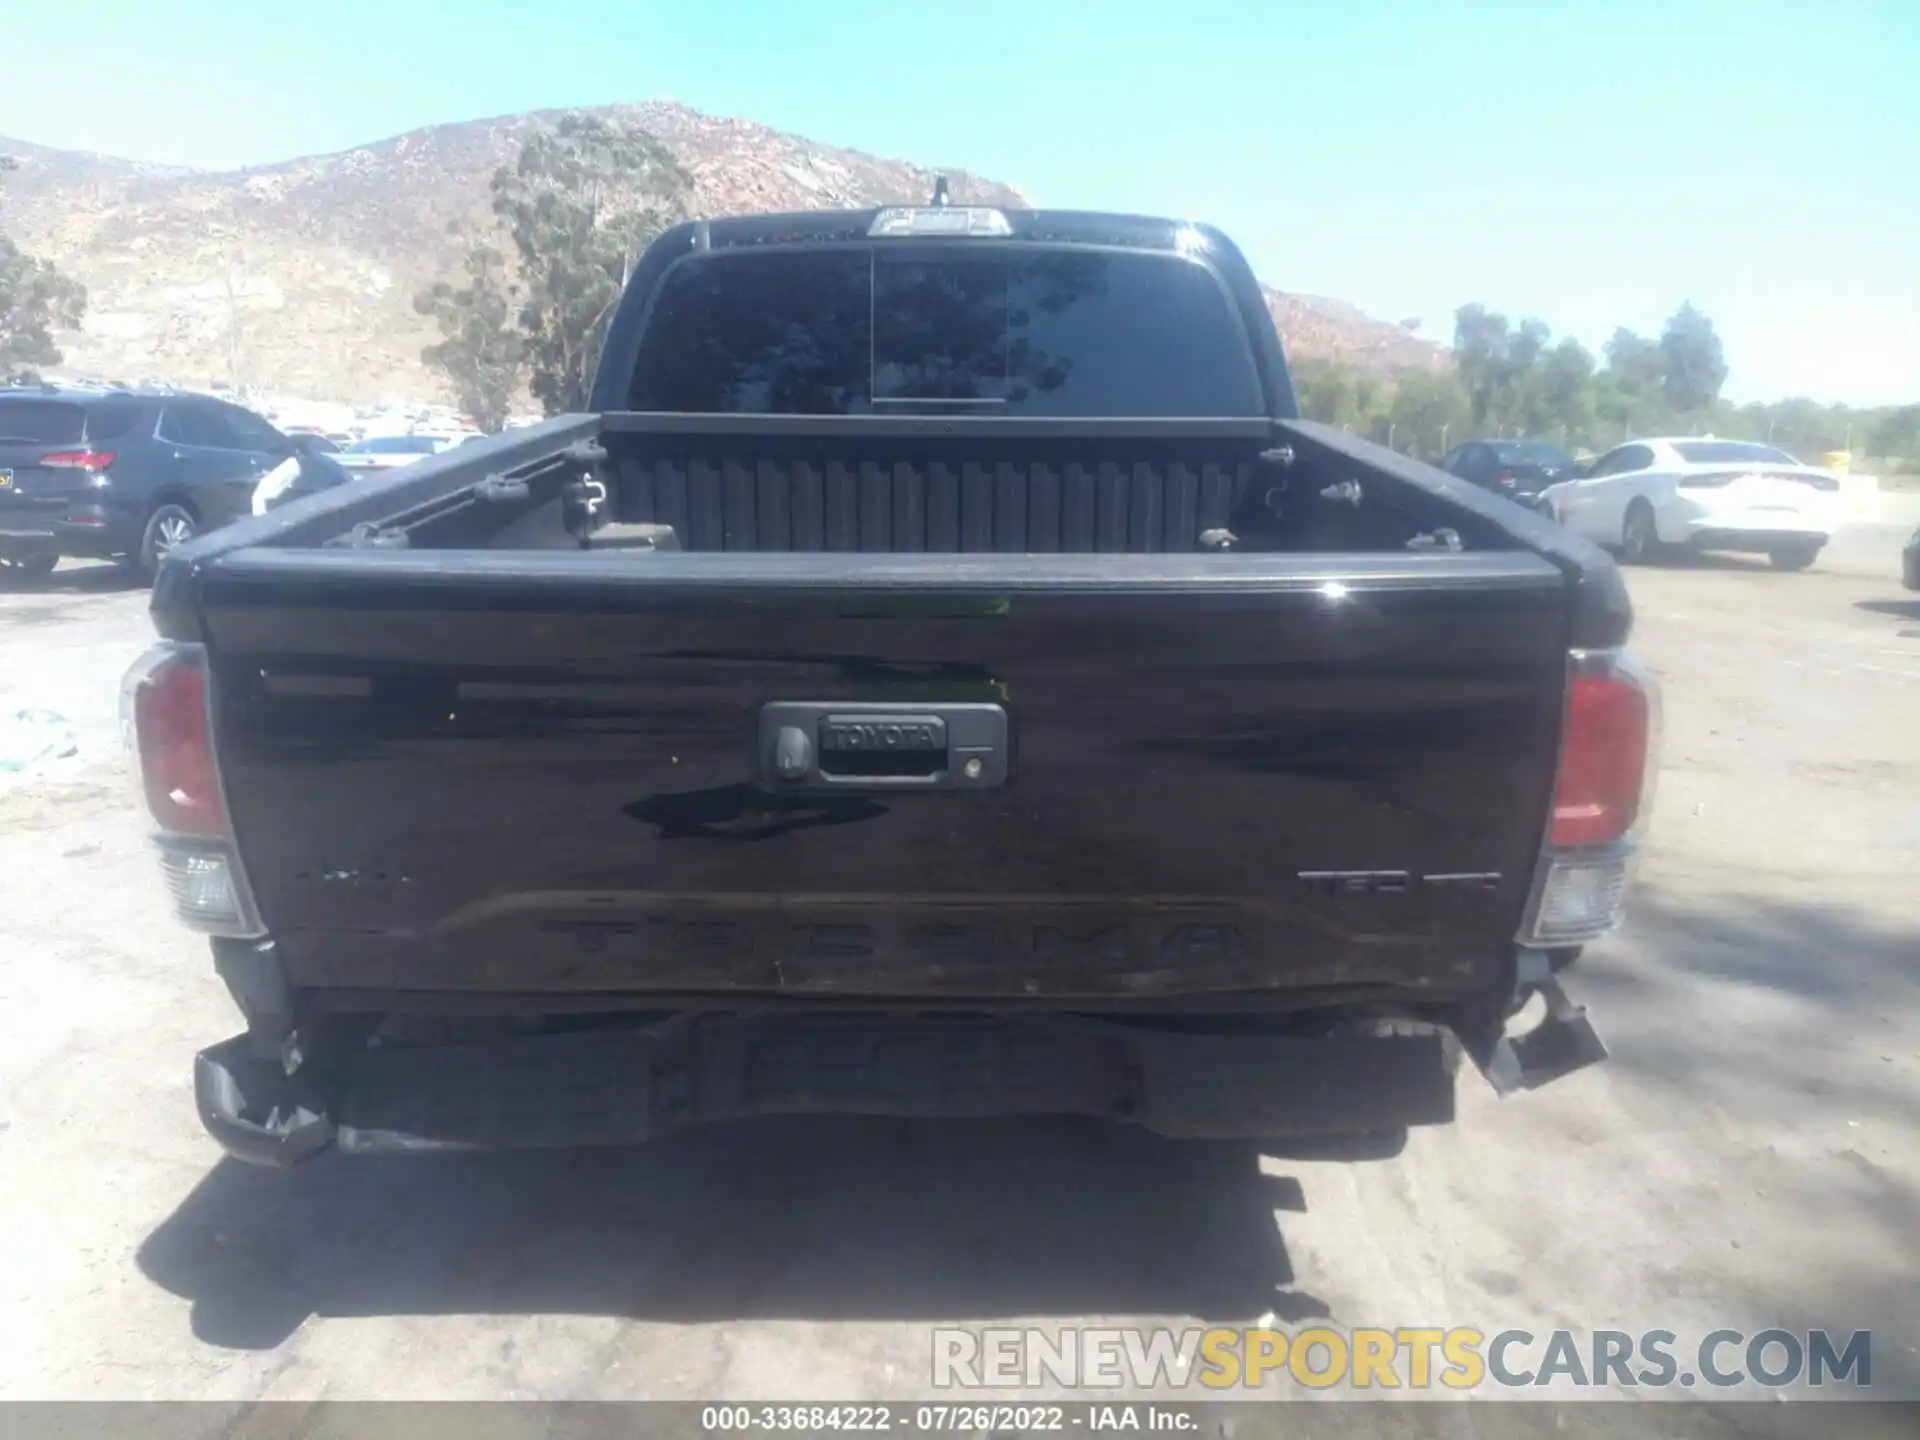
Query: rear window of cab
(917, 329)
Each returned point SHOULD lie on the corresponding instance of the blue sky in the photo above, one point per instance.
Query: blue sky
(1594, 164)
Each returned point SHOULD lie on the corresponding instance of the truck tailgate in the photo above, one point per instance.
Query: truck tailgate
(550, 773)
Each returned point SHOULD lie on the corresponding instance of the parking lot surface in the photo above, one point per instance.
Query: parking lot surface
(1750, 1157)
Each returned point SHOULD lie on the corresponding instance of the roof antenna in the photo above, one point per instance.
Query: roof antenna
(940, 195)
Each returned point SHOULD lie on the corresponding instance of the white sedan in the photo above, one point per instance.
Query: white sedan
(385, 452)
(1703, 494)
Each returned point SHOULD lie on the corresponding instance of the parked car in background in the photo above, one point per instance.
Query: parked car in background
(123, 475)
(1910, 563)
(385, 452)
(309, 441)
(1517, 469)
(307, 471)
(1703, 494)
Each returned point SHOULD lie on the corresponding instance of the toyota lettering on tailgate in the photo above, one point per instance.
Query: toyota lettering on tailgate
(900, 733)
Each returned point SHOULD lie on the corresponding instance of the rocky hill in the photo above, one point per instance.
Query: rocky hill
(1314, 326)
(299, 277)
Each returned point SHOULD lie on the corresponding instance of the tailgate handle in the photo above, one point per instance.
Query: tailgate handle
(820, 745)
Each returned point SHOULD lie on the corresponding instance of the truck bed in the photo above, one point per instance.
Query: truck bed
(1290, 772)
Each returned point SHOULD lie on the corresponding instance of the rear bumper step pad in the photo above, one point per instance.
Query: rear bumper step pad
(617, 1088)
(1562, 1042)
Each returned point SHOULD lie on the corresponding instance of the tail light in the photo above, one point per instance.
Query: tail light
(1720, 479)
(78, 459)
(1826, 484)
(1603, 759)
(1504, 477)
(1601, 797)
(166, 717)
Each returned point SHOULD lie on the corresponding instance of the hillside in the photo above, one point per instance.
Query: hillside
(299, 277)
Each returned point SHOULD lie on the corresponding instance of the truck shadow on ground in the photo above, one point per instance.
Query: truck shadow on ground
(829, 1218)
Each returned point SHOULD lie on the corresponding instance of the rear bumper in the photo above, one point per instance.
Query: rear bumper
(20, 543)
(86, 531)
(1723, 537)
(626, 1086)
(1684, 520)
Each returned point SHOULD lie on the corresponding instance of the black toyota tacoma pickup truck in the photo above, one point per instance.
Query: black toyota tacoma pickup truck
(942, 677)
